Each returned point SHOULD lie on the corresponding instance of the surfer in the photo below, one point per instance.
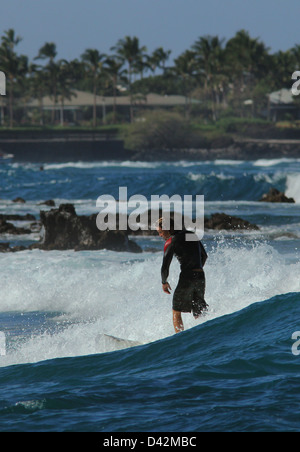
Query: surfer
(190, 291)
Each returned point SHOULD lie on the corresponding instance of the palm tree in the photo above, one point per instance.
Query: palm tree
(209, 56)
(52, 70)
(114, 71)
(248, 60)
(38, 86)
(159, 58)
(130, 52)
(15, 67)
(185, 69)
(47, 51)
(142, 64)
(93, 60)
(282, 66)
(69, 72)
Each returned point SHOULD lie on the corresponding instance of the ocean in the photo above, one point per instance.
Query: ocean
(235, 369)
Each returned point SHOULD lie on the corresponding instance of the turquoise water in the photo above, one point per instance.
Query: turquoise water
(233, 370)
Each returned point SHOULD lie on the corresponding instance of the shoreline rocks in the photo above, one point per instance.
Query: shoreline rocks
(19, 200)
(16, 217)
(240, 149)
(5, 248)
(64, 230)
(217, 221)
(9, 228)
(276, 196)
(49, 203)
(221, 221)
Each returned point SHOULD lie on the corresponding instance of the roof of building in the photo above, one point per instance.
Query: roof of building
(84, 99)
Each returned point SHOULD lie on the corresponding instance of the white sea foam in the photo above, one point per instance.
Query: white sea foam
(293, 187)
(271, 179)
(196, 177)
(101, 164)
(119, 294)
(229, 162)
(81, 165)
(274, 162)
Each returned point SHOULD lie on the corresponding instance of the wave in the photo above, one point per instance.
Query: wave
(102, 164)
(293, 187)
(155, 164)
(233, 373)
(228, 186)
(275, 162)
(92, 293)
(219, 180)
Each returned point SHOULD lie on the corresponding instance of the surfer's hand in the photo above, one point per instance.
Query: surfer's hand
(166, 288)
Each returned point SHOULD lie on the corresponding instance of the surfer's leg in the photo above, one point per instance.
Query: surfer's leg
(199, 304)
(177, 321)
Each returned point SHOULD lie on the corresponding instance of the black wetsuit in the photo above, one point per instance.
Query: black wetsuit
(190, 291)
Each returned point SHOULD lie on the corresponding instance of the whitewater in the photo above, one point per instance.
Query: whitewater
(59, 308)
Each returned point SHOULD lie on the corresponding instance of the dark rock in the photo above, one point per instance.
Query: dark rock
(9, 228)
(14, 217)
(275, 195)
(36, 226)
(5, 248)
(67, 208)
(20, 200)
(18, 248)
(218, 221)
(221, 221)
(64, 229)
(49, 203)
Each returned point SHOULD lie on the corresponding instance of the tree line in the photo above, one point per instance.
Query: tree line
(229, 77)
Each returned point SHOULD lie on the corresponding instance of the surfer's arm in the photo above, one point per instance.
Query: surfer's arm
(168, 256)
(203, 254)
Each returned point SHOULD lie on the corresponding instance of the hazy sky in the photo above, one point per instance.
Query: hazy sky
(75, 25)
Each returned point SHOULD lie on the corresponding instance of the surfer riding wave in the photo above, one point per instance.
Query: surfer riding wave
(190, 291)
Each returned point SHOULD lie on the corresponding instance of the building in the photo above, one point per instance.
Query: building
(282, 105)
(104, 104)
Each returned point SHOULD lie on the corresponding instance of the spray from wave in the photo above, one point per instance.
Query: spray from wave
(293, 187)
(105, 293)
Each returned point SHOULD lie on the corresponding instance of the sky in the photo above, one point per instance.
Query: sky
(75, 25)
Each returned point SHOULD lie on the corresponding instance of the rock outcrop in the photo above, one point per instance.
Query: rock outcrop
(9, 228)
(19, 200)
(217, 221)
(275, 195)
(5, 248)
(221, 221)
(16, 217)
(64, 229)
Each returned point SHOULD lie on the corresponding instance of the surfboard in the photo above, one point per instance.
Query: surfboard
(108, 343)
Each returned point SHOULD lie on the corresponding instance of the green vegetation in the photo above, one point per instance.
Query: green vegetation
(163, 130)
(230, 80)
